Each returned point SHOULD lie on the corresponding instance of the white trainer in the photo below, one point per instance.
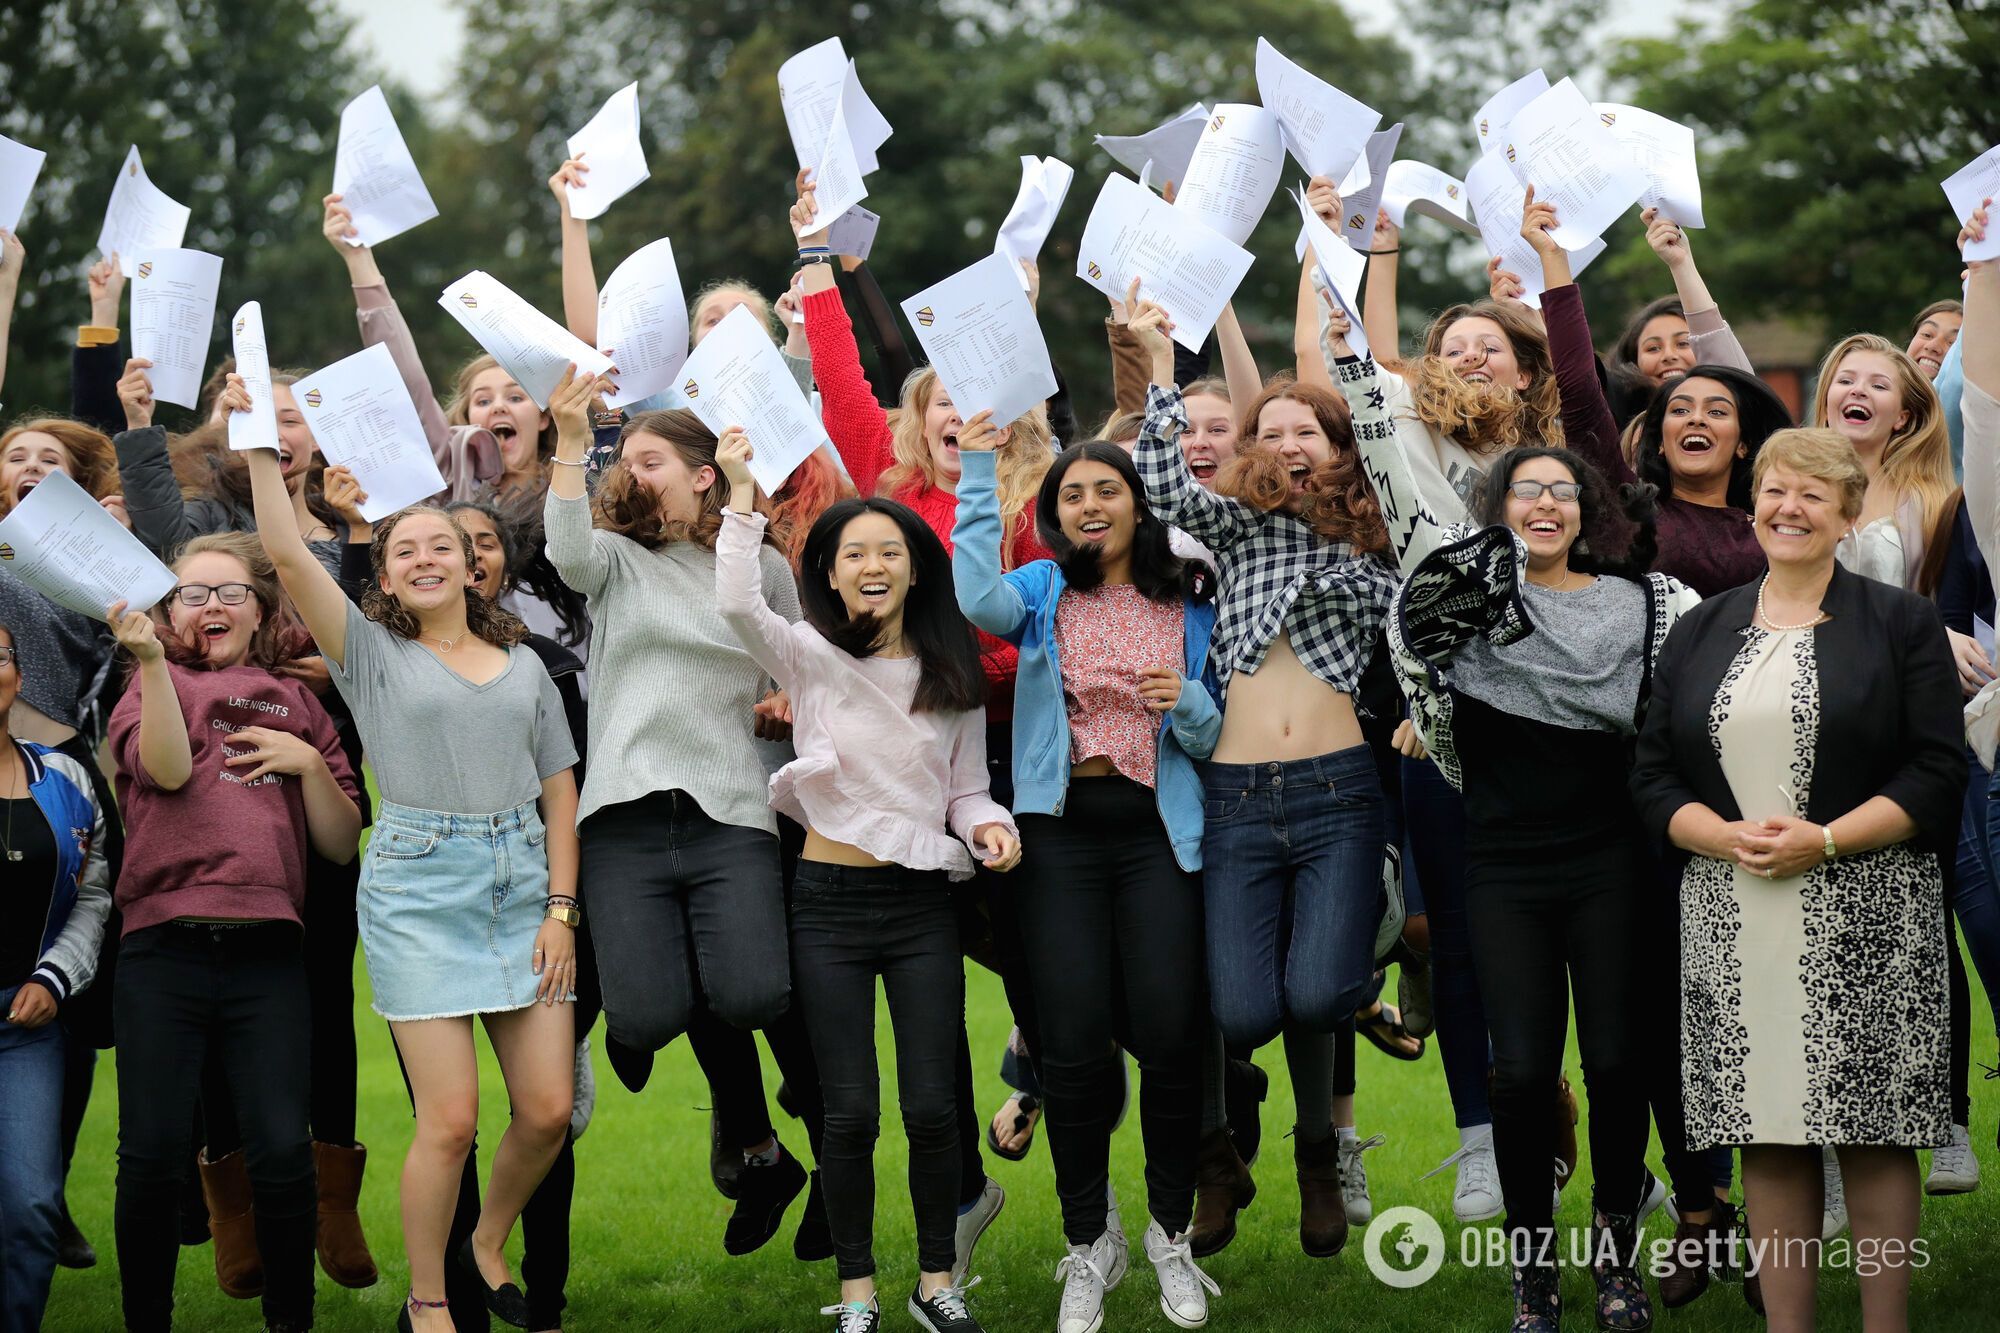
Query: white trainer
(1354, 1196)
(1184, 1288)
(1087, 1272)
(1654, 1199)
(586, 1092)
(971, 1225)
(1114, 1226)
(1477, 1195)
(1954, 1168)
(1834, 1220)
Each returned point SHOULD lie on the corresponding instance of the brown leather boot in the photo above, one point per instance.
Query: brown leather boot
(1322, 1212)
(1566, 1116)
(1222, 1188)
(225, 1185)
(343, 1250)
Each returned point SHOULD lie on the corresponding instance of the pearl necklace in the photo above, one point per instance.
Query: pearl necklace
(1771, 624)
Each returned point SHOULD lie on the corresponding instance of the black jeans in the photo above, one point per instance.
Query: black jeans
(849, 926)
(1542, 923)
(1113, 931)
(185, 990)
(682, 908)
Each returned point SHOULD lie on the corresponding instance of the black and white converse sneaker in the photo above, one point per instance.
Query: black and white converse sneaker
(855, 1317)
(943, 1311)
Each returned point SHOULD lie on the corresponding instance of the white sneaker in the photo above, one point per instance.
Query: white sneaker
(1114, 1227)
(1087, 1272)
(1354, 1176)
(972, 1225)
(860, 1317)
(1654, 1199)
(1477, 1195)
(1954, 1169)
(1834, 1220)
(586, 1092)
(1184, 1287)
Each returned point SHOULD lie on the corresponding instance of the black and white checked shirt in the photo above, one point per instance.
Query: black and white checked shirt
(1277, 575)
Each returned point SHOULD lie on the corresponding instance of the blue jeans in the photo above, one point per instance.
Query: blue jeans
(1975, 898)
(1293, 884)
(31, 1174)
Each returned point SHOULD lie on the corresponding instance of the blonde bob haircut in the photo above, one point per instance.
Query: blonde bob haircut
(1020, 463)
(1917, 459)
(1819, 452)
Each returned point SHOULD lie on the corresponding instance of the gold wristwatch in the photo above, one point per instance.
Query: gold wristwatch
(569, 916)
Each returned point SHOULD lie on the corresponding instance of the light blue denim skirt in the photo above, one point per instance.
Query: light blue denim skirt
(449, 908)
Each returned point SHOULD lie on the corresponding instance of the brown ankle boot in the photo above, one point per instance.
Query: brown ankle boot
(1222, 1188)
(1322, 1212)
(343, 1250)
(225, 1185)
(1566, 1117)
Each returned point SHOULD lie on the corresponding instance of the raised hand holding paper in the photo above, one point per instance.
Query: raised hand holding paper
(363, 420)
(139, 216)
(1234, 171)
(530, 346)
(257, 428)
(1415, 187)
(173, 316)
(836, 178)
(616, 158)
(980, 334)
(1972, 183)
(1664, 150)
(1325, 129)
(1557, 144)
(1166, 148)
(1358, 224)
(1340, 268)
(642, 320)
(1182, 264)
(375, 175)
(1489, 126)
(1499, 201)
(737, 377)
(69, 548)
(1044, 186)
(19, 166)
(811, 86)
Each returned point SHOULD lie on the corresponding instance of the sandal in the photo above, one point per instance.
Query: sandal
(1384, 1027)
(1027, 1112)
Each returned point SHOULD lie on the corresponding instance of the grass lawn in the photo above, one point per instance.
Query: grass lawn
(648, 1226)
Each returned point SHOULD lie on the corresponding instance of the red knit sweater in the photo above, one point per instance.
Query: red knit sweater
(860, 430)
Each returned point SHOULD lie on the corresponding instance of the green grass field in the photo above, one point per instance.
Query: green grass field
(648, 1226)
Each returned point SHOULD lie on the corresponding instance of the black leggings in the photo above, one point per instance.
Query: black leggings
(1113, 931)
(1542, 923)
(849, 926)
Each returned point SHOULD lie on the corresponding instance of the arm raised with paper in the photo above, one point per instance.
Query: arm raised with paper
(166, 760)
(1714, 342)
(1171, 489)
(320, 602)
(1413, 530)
(13, 259)
(1589, 426)
(579, 277)
(854, 420)
(1979, 350)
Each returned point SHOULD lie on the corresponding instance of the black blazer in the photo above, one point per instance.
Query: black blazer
(1890, 711)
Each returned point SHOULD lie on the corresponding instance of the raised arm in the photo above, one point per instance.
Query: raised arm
(855, 421)
(988, 598)
(1588, 424)
(153, 498)
(1172, 493)
(1239, 365)
(162, 755)
(1714, 343)
(574, 546)
(1309, 365)
(579, 279)
(320, 602)
(94, 362)
(1978, 349)
(1380, 315)
(1413, 529)
(739, 581)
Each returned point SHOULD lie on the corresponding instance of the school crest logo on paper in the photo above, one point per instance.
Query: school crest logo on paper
(925, 317)
(1510, 152)
(691, 389)
(312, 398)
(468, 300)
(1451, 190)
(145, 268)
(1608, 117)
(1354, 223)
(1216, 124)
(6, 551)
(1484, 129)
(239, 327)
(1094, 271)
(131, 168)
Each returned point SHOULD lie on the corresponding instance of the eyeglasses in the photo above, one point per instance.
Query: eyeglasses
(1565, 492)
(197, 594)
(8, 657)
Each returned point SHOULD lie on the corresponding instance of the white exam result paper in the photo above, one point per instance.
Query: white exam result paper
(1417, 187)
(737, 377)
(1166, 148)
(375, 175)
(1489, 126)
(69, 548)
(610, 147)
(1358, 221)
(1498, 202)
(982, 338)
(810, 87)
(642, 323)
(1664, 150)
(852, 233)
(1044, 185)
(530, 346)
(1234, 170)
(257, 428)
(1557, 144)
(19, 165)
(139, 216)
(1186, 266)
(1325, 129)
(837, 175)
(363, 420)
(1977, 180)
(1340, 267)
(173, 317)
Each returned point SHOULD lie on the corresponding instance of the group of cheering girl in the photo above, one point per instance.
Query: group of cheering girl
(1163, 726)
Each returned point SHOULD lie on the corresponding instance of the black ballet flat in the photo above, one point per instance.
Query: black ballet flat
(506, 1302)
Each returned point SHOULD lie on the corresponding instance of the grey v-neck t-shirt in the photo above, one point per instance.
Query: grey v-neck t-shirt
(439, 742)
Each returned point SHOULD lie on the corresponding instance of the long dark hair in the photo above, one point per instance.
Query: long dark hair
(1157, 572)
(933, 626)
(528, 567)
(1759, 413)
(1601, 531)
(485, 619)
(1627, 387)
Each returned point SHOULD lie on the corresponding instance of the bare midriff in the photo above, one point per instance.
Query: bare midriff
(1097, 766)
(1284, 712)
(31, 724)
(828, 852)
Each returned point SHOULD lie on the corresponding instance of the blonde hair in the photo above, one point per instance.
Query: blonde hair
(1819, 452)
(1020, 463)
(458, 411)
(732, 287)
(1917, 459)
(1497, 416)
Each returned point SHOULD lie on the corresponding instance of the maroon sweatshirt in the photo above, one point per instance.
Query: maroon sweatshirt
(220, 846)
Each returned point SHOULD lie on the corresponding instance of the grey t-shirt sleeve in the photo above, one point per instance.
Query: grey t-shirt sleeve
(358, 676)
(554, 751)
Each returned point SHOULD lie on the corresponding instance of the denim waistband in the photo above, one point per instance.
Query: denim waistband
(826, 874)
(445, 824)
(1339, 766)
